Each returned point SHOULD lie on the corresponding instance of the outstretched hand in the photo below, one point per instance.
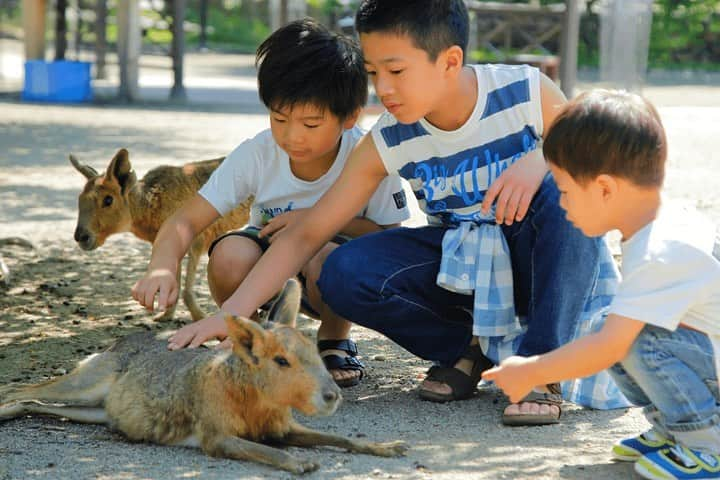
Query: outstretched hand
(513, 191)
(279, 223)
(512, 376)
(161, 282)
(197, 333)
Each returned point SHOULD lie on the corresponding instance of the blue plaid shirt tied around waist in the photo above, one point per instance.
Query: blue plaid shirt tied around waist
(476, 258)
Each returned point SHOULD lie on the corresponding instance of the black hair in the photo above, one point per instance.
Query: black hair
(432, 25)
(609, 132)
(305, 63)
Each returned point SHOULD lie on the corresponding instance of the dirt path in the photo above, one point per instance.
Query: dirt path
(64, 303)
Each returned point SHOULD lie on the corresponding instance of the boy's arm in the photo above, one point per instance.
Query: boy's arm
(517, 376)
(171, 243)
(514, 189)
(355, 228)
(301, 240)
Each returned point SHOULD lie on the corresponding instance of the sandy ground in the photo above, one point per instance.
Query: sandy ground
(63, 303)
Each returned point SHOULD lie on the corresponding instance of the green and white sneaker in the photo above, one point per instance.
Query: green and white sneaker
(631, 449)
(678, 463)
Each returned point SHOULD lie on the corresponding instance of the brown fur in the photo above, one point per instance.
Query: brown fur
(225, 402)
(115, 202)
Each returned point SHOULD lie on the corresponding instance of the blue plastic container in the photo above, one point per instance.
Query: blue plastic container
(60, 81)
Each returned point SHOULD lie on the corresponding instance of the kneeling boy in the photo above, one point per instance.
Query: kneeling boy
(607, 152)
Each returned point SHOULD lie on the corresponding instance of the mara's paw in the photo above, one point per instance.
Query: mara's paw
(397, 448)
(300, 466)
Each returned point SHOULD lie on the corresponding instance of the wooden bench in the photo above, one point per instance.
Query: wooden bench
(522, 29)
(548, 64)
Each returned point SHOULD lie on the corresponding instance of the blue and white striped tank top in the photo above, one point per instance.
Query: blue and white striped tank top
(450, 171)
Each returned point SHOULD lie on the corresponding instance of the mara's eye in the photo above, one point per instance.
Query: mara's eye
(282, 361)
(107, 201)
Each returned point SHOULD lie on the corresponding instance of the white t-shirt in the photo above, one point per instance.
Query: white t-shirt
(259, 167)
(670, 276)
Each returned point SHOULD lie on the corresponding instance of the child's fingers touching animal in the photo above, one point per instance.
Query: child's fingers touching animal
(195, 334)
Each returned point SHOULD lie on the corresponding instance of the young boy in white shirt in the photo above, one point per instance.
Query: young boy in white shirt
(607, 152)
(314, 84)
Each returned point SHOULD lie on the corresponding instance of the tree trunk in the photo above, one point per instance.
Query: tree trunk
(178, 50)
(100, 38)
(60, 29)
(203, 23)
(284, 12)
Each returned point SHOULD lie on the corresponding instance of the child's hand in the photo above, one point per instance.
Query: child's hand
(512, 376)
(277, 224)
(159, 281)
(514, 189)
(195, 334)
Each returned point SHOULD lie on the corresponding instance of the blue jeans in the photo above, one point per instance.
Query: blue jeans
(386, 281)
(672, 375)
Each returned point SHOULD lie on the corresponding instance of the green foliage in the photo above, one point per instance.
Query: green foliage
(685, 32)
(231, 28)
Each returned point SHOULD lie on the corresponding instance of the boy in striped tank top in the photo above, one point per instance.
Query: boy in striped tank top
(498, 270)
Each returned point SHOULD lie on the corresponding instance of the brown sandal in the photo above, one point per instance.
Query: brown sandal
(462, 384)
(554, 397)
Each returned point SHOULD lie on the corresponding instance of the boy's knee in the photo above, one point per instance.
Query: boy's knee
(332, 270)
(227, 263)
(340, 274)
(643, 353)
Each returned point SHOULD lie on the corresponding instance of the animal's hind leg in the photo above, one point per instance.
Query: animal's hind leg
(190, 272)
(86, 386)
(76, 414)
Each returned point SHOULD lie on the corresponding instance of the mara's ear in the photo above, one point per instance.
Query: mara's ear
(248, 339)
(121, 171)
(285, 309)
(87, 171)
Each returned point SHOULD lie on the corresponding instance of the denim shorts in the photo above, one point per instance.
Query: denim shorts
(251, 232)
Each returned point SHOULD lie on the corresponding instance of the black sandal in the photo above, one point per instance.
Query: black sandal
(336, 362)
(462, 384)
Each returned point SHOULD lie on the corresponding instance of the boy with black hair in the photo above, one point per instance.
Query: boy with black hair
(607, 152)
(498, 246)
(314, 84)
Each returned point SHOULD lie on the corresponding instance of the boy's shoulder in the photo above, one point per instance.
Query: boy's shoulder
(678, 233)
(498, 75)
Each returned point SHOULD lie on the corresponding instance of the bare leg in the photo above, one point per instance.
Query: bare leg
(332, 326)
(231, 260)
(300, 436)
(241, 449)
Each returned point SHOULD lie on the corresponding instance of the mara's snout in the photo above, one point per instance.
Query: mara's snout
(85, 239)
(328, 398)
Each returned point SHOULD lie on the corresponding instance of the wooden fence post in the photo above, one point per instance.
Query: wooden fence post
(129, 43)
(33, 15)
(569, 48)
